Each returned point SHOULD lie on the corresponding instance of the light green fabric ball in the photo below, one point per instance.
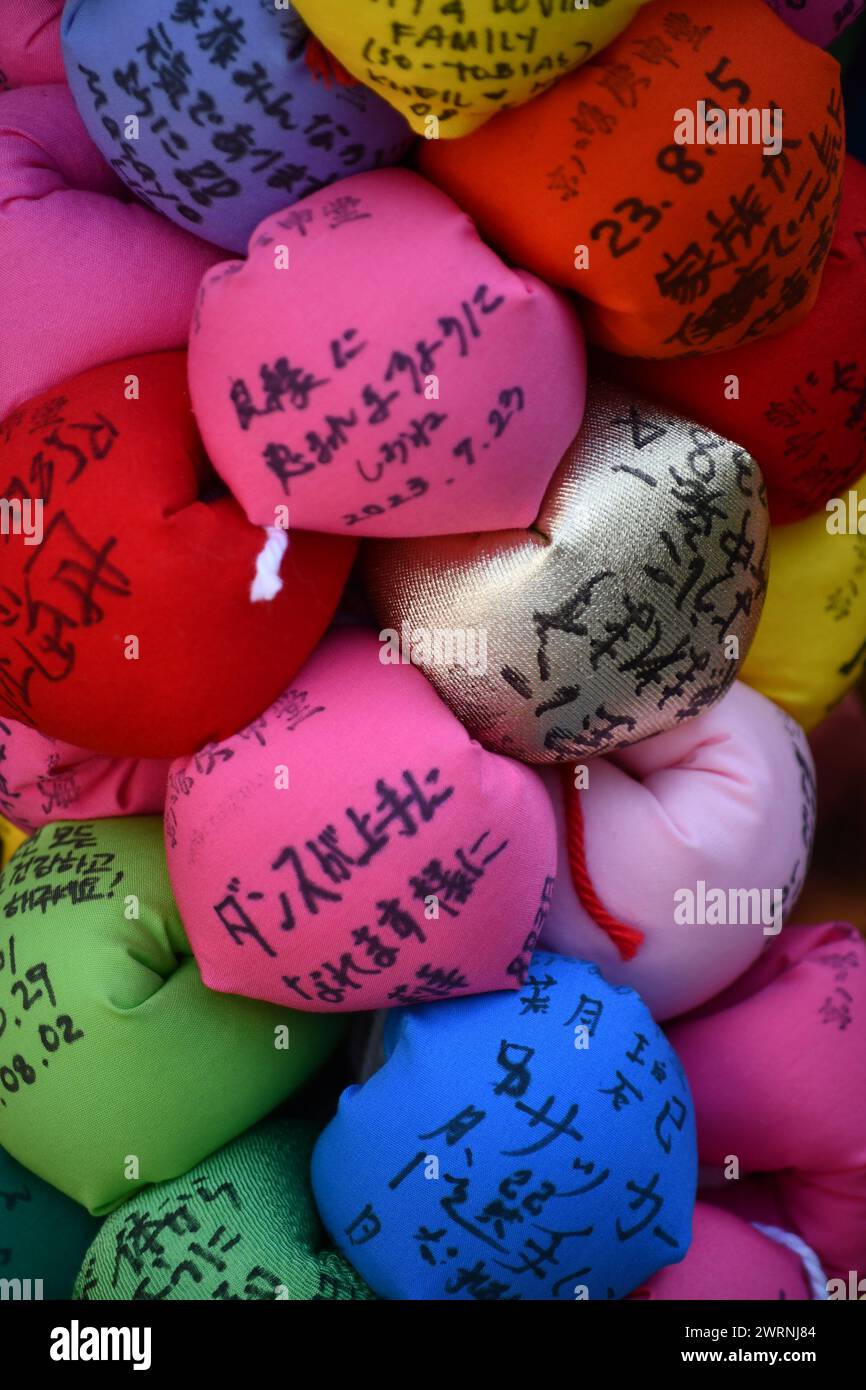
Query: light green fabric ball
(118, 1067)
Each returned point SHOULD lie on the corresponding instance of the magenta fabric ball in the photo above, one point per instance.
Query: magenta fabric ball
(355, 849)
(43, 779)
(375, 369)
(86, 275)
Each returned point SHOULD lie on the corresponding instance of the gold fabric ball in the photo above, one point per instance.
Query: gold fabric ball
(626, 608)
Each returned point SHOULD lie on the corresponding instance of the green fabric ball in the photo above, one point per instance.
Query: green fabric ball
(43, 1235)
(118, 1067)
(241, 1225)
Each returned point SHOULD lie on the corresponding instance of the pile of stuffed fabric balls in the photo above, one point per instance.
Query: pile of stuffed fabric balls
(432, 463)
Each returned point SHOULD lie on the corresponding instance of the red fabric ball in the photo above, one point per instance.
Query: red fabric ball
(139, 541)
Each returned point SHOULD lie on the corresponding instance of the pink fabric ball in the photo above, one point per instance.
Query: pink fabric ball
(726, 799)
(728, 1259)
(44, 779)
(777, 1069)
(30, 43)
(355, 849)
(378, 370)
(86, 275)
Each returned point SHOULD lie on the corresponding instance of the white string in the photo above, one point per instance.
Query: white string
(812, 1265)
(267, 583)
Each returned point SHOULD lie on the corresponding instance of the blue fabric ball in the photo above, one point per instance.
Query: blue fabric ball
(230, 123)
(533, 1145)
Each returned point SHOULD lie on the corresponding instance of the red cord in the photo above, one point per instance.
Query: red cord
(324, 66)
(626, 939)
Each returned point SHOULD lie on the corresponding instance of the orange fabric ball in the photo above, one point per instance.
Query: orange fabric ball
(795, 401)
(676, 248)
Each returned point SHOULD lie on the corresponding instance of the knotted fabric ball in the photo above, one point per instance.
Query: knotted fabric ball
(537, 1145)
(217, 115)
(125, 1070)
(30, 44)
(626, 606)
(240, 1225)
(792, 401)
(354, 848)
(86, 275)
(681, 857)
(331, 378)
(810, 646)
(143, 630)
(43, 1235)
(44, 779)
(765, 1061)
(685, 182)
(732, 1259)
(450, 67)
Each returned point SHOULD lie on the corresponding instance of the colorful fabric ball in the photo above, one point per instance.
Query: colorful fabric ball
(143, 630)
(792, 401)
(354, 848)
(732, 1259)
(45, 779)
(531, 1146)
(810, 647)
(443, 404)
(450, 67)
(682, 231)
(10, 838)
(86, 276)
(680, 858)
(764, 1060)
(240, 1225)
(125, 1070)
(624, 609)
(30, 43)
(820, 21)
(43, 1235)
(219, 115)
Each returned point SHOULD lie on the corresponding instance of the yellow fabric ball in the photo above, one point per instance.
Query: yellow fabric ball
(810, 647)
(462, 61)
(10, 838)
